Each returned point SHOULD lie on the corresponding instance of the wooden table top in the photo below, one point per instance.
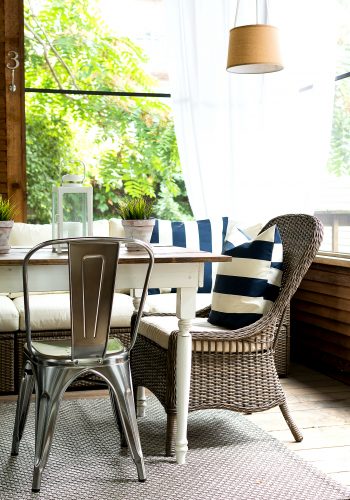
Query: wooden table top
(162, 255)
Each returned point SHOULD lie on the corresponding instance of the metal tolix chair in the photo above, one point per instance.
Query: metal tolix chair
(50, 366)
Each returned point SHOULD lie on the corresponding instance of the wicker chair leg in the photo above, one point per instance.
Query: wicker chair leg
(170, 435)
(290, 422)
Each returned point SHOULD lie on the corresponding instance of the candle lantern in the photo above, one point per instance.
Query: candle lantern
(71, 209)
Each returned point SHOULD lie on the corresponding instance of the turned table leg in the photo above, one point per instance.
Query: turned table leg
(185, 311)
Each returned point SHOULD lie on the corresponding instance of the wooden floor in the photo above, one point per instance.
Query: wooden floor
(321, 408)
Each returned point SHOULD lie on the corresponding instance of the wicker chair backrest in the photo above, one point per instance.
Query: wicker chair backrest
(301, 236)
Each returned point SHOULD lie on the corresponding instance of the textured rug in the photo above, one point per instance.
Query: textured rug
(229, 458)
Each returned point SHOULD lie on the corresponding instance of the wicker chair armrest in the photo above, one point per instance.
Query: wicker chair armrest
(201, 313)
(264, 326)
(147, 314)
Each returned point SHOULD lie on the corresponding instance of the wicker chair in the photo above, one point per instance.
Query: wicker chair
(235, 369)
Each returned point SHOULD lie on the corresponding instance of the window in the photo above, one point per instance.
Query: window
(335, 201)
(97, 97)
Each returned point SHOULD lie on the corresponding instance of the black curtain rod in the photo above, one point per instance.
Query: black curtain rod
(132, 94)
(96, 92)
(339, 77)
(344, 75)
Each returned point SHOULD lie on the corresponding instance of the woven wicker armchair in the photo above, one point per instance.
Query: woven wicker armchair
(231, 369)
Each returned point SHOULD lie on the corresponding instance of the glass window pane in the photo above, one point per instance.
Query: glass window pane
(92, 45)
(128, 144)
(334, 210)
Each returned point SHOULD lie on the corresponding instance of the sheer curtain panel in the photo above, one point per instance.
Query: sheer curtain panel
(251, 146)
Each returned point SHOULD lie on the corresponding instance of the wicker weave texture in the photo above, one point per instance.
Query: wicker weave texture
(240, 381)
(11, 356)
(7, 356)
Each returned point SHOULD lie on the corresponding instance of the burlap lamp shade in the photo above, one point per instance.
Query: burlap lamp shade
(254, 49)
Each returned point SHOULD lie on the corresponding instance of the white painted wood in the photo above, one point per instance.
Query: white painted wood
(187, 274)
(141, 402)
(163, 276)
(185, 311)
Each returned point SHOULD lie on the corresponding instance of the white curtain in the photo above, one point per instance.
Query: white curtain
(251, 146)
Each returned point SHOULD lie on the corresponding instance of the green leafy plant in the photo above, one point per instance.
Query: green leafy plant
(7, 210)
(128, 142)
(135, 208)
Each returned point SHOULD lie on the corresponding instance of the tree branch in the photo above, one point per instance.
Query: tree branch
(50, 44)
(42, 43)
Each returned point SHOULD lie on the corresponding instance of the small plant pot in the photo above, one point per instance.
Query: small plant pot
(5, 230)
(139, 230)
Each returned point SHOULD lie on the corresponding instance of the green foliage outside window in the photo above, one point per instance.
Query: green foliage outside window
(127, 143)
(339, 157)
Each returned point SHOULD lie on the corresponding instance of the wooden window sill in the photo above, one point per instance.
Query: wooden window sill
(333, 260)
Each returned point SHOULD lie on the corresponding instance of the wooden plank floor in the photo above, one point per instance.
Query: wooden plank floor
(320, 407)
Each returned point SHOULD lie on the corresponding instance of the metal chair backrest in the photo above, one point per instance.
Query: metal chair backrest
(93, 264)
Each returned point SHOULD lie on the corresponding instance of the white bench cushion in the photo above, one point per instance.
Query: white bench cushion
(9, 317)
(28, 235)
(100, 227)
(159, 328)
(166, 302)
(51, 311)
(116, 228)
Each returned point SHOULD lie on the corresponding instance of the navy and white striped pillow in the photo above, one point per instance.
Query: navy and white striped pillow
(208, 235)
(246, 287)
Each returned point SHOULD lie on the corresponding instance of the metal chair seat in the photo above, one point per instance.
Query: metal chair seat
(62, 349)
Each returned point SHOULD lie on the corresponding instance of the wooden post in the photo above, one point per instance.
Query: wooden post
(12, 135)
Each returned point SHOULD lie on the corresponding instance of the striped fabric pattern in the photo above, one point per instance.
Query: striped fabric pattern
(208, 235)
(246, 287)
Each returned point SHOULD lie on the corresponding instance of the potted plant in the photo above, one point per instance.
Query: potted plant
(7, 213)
(137, 221)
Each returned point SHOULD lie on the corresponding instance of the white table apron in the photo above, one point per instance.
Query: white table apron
(186, 277)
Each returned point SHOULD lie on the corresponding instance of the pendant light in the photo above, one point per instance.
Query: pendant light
(254, 48)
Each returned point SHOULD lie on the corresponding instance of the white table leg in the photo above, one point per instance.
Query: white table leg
(141, 400)
(185, 311)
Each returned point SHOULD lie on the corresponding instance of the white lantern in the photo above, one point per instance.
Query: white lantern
(71, 209)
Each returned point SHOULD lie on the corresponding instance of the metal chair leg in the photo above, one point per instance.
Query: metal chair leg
(119, 378)
(23, 402)
(51, 383)
(117, 418)
(290, 422)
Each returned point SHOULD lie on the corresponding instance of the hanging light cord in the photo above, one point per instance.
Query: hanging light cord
(236, 16)
(256, 12)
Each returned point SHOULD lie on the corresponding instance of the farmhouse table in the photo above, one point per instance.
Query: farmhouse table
(174, 267)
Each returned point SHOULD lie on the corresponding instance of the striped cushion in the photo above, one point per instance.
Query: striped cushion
(208, 235)
(246, 287)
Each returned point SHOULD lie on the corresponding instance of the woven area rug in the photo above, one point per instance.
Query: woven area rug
(229, 458)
